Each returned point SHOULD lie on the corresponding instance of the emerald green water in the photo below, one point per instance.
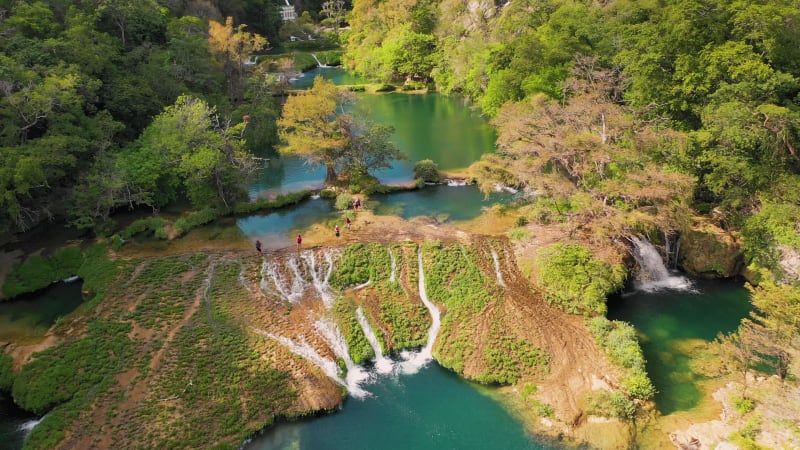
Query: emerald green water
(432, 409)
(32, 315)
(431, 126)
(668, 323)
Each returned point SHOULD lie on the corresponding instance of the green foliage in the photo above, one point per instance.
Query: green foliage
(38, 271)
(6, 372)
(610, 404)
(264, 204)
(70, 370)
(98, 271)
(344, 310)
(576, 282)
(427, 171)
(518, 234)
(344, 201)
(409, 322)
(745, 438)
(618, 339)
(744, 405)
(360, 263)
(774, 224)
(155, 225)
(193, 220)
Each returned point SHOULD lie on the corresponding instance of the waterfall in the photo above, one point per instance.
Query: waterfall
(393, 276)
(289, 291)
(355, 374)
(320, 275)
(653, 274)
(382, 363)
(497, 269)
(417, 360)
(307, 352)
(28, 426)
(319, 64)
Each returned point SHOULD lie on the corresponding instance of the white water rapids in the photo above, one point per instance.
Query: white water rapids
(653, 274)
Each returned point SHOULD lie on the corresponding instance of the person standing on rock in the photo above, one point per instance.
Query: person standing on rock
(258, 247)
(336, 229)
(299, 241)
(347, 223)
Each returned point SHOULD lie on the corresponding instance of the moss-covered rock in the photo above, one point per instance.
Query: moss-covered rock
(710, 252)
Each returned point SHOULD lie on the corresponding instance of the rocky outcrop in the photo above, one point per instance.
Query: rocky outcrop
(710, 252)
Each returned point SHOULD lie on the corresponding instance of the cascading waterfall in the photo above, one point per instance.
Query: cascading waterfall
(497, 269)
(320, 275)
(355, 373)
(307, 352)
(653, 274)
(393, 276)
(291, 292)
(382, 363)
(416, 360)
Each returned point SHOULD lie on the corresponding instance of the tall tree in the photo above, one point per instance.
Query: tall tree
(310, 128)
(232, 47)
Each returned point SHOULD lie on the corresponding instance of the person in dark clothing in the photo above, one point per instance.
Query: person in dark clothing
(258, 247)
(337, 230)
(347, 222)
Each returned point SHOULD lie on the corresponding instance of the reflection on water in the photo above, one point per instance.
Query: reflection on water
(32, 315)
(15, 424)
(432, 409)
(441, 202)
(284, 175)
(277, 229)
(671, 324)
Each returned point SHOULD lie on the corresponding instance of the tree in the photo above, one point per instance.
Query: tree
(310, 127)
(335, 12)
(368, 146)
(233, 47)
(189, 146)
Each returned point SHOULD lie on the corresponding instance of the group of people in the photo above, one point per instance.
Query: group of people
(299, 240)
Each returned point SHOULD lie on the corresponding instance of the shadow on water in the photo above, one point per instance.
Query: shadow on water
(671, 325)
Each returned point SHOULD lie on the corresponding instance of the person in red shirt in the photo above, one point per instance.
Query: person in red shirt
(299, 241)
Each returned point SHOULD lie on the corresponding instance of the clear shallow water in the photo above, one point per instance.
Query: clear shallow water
(669, 321)
(443, 203)
(432, 409)
(278, 229)
(430, 126)
(33, 314)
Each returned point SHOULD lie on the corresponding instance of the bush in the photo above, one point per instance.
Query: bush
(6, 372)
(155, 225)
(343, 201)
(193, 220)
(744, 405)
(576, 282)
(428, 171)
(327, 194)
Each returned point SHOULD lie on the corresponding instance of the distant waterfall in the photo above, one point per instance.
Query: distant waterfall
(497, 269)
(382, 363)
(653, 274)
(319, 64)
(417, 360)
(28, 426)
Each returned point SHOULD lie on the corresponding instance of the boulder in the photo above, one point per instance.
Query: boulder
(710, 252)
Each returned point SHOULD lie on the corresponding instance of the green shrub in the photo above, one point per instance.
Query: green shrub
(576, 282)
(744, 405)
(155, 225)
(327, 194)
(610, 404)
(428, 171)
(193, 220)
(263, 204)
(618, 339)
(357, 344)
(344, 201)
(518, 234)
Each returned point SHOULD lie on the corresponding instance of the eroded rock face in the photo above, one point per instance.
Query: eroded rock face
(710, 252)
(790, 263)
